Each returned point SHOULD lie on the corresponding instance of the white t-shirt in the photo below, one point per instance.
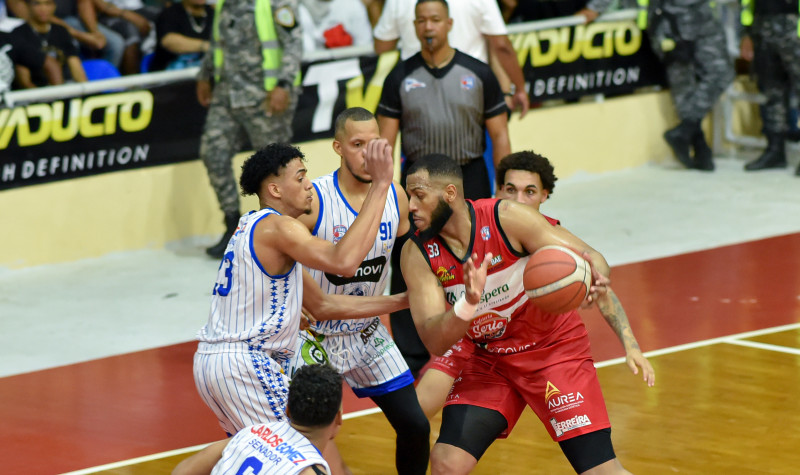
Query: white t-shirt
(316, 17)
(472, 19)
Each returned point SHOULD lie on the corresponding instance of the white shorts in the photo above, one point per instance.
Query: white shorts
(369, 360)
(241, 387)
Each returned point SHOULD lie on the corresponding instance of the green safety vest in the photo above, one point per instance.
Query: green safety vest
(270, 47)
(748, 7)
(641, 17)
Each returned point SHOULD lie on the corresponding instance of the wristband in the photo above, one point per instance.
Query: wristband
(464, 310)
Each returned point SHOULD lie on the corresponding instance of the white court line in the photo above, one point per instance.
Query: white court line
(731, 339)
(765, 346)
(146, 458)
(702, 343)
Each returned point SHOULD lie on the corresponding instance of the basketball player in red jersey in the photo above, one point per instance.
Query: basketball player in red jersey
(528, 178)
(467, 260)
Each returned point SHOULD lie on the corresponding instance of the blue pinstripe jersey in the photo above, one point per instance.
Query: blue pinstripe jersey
(335, 218)
(249, 305)
(269, 449)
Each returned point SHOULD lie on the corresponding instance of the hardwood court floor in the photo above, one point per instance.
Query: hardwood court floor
(725, 399)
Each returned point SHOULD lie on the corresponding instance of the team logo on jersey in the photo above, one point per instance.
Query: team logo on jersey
(338, 232)
(445, 275)
(485, 233)
(369, 271)
(359, 290)
(411, 83)
(488, 326)
(467, 82)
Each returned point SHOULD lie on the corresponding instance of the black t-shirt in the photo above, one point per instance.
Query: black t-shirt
(175, 19)
(24, 55)
(56, 43)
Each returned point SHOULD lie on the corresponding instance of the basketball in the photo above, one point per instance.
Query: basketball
(556, 279)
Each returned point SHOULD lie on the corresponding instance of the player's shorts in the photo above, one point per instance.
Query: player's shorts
(566, 395)
(242, 387)
(369, 360)
(454, 359)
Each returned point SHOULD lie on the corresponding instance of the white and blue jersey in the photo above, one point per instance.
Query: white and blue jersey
(361, 349)
(251, 331)
(269, 449)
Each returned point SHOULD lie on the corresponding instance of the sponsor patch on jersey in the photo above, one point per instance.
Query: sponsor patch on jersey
(570, 424)
(411, 83)
(489, 325)
(369, 271)
(485, 233)
(367, 332)
(445, 275)
(467, 82)
(338, 232)
(284, 16)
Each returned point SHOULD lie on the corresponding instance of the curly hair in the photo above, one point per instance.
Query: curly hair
(315, 395)
(528, 161)
(269, 161)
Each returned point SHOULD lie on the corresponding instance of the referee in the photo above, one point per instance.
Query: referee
(442, 101)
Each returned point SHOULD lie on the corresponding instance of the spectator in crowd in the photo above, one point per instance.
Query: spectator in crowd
(38, 39)
(532, 10)
(333, 23)
(79, 17)
(477, 30)
(772, 42)
(183, 31)
(28, 56)
(374, 10)
(689, 39)
(130, 25)
(254, 59)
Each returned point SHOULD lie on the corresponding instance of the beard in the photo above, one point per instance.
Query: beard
(439, 218)
(356, 175)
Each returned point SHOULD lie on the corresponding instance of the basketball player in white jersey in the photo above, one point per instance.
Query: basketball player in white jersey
(286, 447)
(260, 289)
(362, 350)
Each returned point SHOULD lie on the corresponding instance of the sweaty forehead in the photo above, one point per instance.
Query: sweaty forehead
(422, 181)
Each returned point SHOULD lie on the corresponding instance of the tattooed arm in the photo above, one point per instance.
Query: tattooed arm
(612, 311)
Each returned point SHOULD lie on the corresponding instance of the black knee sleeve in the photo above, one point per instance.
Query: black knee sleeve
(588, 450)
(470, 428)
(404, 413)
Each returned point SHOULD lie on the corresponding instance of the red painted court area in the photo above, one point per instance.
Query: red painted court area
(84, 415)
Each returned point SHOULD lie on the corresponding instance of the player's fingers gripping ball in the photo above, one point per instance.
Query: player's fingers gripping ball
(556, 279)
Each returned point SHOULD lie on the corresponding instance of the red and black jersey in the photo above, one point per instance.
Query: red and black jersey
(505, 322)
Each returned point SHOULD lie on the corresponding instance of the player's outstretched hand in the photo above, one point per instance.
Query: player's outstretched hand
(378, 161)
(600, 284)
(475, 277)
(635, 360)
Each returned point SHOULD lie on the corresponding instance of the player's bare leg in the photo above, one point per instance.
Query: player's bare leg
(432, 391)
(448, 459)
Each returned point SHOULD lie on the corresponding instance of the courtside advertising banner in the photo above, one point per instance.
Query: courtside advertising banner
(158, 125)
(609, 57)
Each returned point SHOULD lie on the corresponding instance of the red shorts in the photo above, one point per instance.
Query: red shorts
(453, 360)
(565, 395)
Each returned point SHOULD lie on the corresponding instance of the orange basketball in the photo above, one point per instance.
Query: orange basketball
(557, 279)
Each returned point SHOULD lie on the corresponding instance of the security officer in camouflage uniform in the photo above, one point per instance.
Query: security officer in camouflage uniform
(254, 60)
(772, 41)
(689, 38)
